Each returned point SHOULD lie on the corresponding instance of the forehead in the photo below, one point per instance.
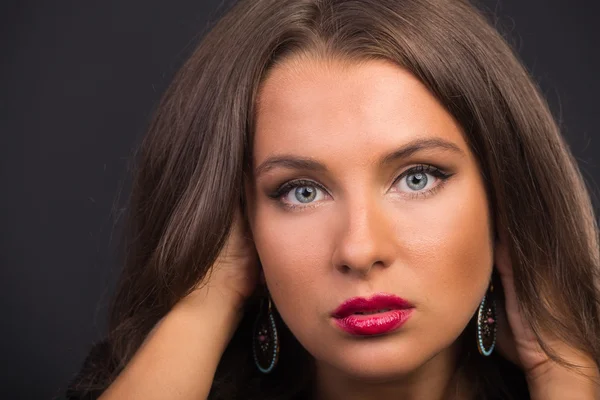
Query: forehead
(327, 108)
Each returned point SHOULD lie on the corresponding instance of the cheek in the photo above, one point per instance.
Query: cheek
(457, 240)
(450, 255)
(292, 251)
(294, 258)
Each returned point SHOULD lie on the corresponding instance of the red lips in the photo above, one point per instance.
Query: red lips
(378, 315)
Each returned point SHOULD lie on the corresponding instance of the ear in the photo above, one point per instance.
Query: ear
(261, 275)
(505, 338)
(502, 260)
(261, 289)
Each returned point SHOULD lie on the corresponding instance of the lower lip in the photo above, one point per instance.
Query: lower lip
(374, 324)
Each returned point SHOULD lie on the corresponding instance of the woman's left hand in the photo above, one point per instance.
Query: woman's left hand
(517, 342)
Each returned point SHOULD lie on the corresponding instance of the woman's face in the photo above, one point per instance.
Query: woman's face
(364, 185)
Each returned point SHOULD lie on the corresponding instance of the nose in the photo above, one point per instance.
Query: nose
(365, 238)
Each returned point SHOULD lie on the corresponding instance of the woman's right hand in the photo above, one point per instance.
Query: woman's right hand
(234, 274)
(180, 356)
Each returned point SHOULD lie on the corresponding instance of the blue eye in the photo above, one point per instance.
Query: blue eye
(305, 194)
(299, 193)
(415, 180)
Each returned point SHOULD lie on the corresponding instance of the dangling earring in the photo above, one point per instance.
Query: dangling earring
(487, 323)
(265, 343)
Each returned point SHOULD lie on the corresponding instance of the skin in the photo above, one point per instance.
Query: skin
(364, 232)
(372, 227)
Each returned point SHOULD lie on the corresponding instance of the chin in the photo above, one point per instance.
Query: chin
(379, 358)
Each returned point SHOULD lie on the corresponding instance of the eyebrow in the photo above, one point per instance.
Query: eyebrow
(310, 164)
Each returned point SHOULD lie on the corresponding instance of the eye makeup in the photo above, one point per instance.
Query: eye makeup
(284, 190)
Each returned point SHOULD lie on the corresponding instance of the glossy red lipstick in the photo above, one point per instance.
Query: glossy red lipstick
(377, 315)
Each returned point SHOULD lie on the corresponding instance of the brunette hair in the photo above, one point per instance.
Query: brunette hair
(191, 165)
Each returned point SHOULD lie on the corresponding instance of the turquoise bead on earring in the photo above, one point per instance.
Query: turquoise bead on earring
(487, 324)
(265, 342)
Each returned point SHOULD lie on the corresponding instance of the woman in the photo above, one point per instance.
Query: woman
(354, 200)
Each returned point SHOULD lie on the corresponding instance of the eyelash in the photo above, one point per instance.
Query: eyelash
(421, 168)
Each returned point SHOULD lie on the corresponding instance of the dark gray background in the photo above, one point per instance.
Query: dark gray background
(78, 84)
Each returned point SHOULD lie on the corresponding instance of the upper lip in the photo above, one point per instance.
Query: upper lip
(374, 303)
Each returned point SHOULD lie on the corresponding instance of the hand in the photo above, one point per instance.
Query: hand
(234, 274)
(515, 338)
(180, 355)
(517, 342)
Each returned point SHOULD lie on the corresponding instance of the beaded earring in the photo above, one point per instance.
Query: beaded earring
(265, 342)
(487, 323)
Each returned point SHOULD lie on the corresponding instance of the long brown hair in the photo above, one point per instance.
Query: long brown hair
(191, 165)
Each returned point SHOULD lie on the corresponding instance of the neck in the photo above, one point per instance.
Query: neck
(437, 379)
